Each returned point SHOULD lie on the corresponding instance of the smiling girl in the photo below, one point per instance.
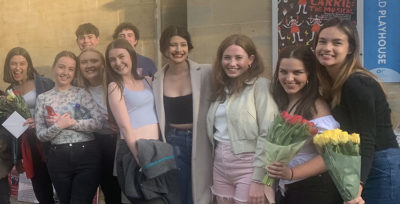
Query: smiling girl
(73, 160)
(237, 122)
(181, 91)
(359, 103)
(91, 76)
(131, 102)
(20, 73)
(295, 89)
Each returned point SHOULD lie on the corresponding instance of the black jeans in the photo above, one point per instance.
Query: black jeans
(4, 191)
(75, 171)
(108, 182)
(313, 190)
(42, 185)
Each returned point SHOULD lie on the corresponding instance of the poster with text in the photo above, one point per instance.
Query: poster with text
(381, 39)
(296, 22)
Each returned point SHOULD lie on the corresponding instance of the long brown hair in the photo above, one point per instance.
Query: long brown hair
(221, 81)
(306, 104)
(31, 71)
(111, 75)
(332, 90)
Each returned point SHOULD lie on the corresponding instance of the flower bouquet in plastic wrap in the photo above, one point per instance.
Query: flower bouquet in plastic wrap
(287, 134)
(13, 101)
(340, 151)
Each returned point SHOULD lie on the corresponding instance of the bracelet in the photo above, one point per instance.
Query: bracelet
(291, 170)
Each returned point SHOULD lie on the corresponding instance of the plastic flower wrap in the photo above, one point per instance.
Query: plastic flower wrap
(340, 151)
(285, 138)
(13, 101)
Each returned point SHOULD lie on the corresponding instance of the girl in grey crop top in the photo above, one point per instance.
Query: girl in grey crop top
(140, 106)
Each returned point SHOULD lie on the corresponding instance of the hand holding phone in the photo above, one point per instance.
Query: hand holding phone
(50, 111)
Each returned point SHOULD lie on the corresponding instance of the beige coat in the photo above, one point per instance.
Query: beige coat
(200, 75)
(248, 117)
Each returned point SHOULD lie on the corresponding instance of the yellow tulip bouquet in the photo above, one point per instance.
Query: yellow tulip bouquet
(287, 134)
(340, 151)
(13, 101)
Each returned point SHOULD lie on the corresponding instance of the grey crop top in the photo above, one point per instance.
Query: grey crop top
(140, 106)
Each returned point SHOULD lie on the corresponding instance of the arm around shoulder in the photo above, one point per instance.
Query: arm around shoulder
(322, 108)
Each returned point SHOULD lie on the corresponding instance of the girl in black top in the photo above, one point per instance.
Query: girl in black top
(359, 104)
(23, 77)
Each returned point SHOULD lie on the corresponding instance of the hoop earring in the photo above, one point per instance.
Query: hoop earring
(250, 66)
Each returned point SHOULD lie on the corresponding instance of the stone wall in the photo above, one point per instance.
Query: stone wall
(211, 21)
(46, 27)
(393, 95)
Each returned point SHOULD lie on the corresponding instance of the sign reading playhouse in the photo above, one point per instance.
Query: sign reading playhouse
(382, 39)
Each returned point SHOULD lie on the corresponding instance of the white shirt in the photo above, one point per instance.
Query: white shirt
(220, 124)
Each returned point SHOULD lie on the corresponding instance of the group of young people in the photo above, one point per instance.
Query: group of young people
(195, 133)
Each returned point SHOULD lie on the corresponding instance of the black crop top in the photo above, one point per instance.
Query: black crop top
(178, 110)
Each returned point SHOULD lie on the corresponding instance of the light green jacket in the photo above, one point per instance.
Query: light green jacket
(249, 115)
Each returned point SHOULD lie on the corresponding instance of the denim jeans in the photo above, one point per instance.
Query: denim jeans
(75, 171)
(182, 140)
(383, 183)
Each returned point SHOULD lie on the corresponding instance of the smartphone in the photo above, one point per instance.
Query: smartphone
(50, 111)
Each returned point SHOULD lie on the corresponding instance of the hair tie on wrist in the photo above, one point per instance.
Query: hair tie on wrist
(291, 177)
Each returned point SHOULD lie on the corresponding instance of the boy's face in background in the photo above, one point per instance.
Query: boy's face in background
(128, 35)
(87, 40)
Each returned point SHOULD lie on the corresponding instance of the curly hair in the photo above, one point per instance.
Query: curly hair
(126, 26)
(171, 31)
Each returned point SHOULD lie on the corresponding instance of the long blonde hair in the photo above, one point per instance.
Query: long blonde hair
(82, 81)
(332, 90)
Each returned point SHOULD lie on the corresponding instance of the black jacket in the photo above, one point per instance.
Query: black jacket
(156, 178)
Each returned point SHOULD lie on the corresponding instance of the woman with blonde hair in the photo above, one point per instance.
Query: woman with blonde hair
(359, 104)
(241, 111)
(91, 76)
